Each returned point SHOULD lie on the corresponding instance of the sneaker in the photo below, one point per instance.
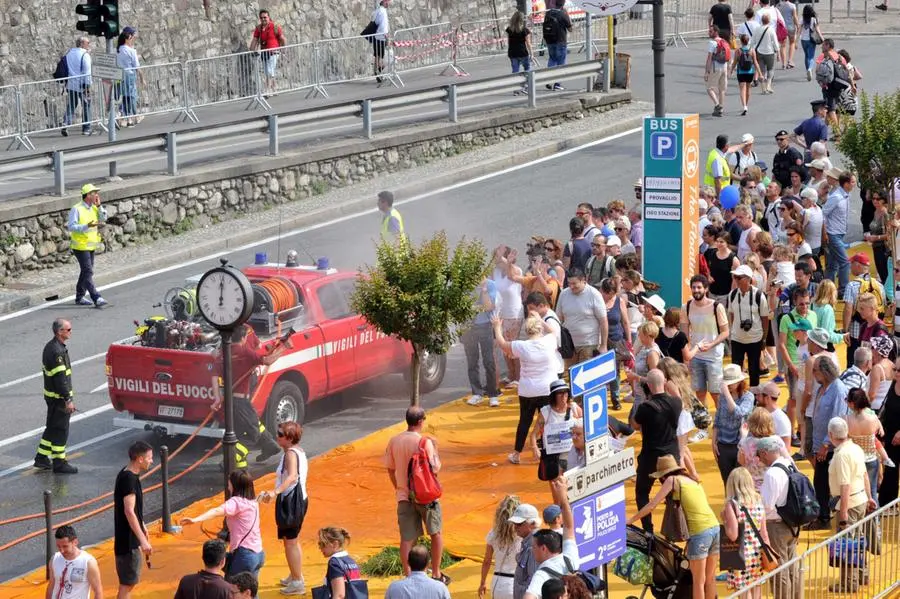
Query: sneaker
(514, 384)
(494, 402)
(700, 435)
(64, 132)
(557, 87)
(779, 378)
(86, 132)
(795, 441)
(881, 7)
(798, 456)
(744, 112)
(83, 301)
(100, 302)
(42, 462)
(475, 400)
(294, 587)
(286, 580)
(764, 372)
(616, 405)
(889, 463)
(723, 577)
(513, 458)
(809, 75)
(63, 467)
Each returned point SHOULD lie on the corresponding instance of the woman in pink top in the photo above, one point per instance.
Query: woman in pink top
(241, 514)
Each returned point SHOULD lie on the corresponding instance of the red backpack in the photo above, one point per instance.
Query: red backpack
(424, 487)
(722, 55)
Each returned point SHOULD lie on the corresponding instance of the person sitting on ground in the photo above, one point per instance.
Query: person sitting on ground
(208, 583)
(417, 584)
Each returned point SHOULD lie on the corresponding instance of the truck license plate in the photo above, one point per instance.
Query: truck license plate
(171, 411)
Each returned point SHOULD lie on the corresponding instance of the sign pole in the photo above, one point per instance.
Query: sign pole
(111, 121)
(659, 58)
(229, 440)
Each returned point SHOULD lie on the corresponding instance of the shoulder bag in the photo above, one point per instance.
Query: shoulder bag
(290, 507)
(731, 553)
(767, 554)
(229, 557)
(674, 524)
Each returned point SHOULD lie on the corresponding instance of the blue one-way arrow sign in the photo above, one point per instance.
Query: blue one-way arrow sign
(593, 373)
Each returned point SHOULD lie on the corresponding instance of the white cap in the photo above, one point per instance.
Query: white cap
(742, 271)
(746, 138)
(809, 193)
(525, 512)
(701, 203)
(658, 303)
(613, 241)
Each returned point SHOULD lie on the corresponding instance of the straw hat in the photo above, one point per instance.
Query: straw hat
(666, 465)
(732, 374)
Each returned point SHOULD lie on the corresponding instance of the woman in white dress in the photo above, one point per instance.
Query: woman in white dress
(502, 546)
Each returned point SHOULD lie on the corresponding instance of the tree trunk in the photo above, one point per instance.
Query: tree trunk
(414, 378)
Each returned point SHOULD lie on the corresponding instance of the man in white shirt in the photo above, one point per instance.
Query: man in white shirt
(788, 584)
(379, 39)
(78, 86)
(551, 550)
(743, 158)
(765, 42)
(767, 397)
(748, 320)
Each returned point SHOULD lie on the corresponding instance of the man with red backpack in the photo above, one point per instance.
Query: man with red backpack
(268, 37)
(413, 464)
(716, 76)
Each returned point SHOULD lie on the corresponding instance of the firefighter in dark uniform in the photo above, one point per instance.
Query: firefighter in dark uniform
(58, 393)
(246, 355)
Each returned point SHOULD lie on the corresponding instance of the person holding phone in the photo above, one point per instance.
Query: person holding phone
(86, 218)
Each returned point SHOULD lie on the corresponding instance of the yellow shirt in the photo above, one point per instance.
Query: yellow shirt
(848, 467)
(696, 508)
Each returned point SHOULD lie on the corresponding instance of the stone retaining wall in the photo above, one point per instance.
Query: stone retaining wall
(170, 206)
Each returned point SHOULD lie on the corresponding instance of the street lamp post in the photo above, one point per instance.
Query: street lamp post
(659, 55)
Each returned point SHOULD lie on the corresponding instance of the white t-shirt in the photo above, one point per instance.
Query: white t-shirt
(504, 556)
(774, 15)
(804, 30)
(537, 358)
(302, 471)
(510, 296)
(748, 28)
(552, 321)
(812, 230)
(716, 66)
(380, 16)
(782, 424)
(685, 423)
(557, 564)
(742, 306)
(766, 38)
(739, 162)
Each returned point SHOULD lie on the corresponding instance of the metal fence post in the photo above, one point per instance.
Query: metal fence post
(59, 172)
(172, 153)
(588, 41)
(848, 9)
(273, 135)
(188, 111)
(532, 89)
(164, 473)
(367, 118)
(48, 522)
(452, 103)
(831, 11)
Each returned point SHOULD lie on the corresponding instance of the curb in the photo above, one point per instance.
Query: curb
(11, 302)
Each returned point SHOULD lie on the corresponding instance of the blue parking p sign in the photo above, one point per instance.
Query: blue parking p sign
(663, 145)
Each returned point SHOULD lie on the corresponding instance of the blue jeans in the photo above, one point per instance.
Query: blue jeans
(524, 63)
(73, 99)
(556, 55)
(245, 560)
(837, 262)
(872, 473)
(809, 53)
(703, 544)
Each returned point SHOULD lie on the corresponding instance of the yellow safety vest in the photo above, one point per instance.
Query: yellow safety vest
(90, 239)
(708, 178)
(386, 234)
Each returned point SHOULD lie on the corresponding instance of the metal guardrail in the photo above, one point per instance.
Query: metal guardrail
(273, 125)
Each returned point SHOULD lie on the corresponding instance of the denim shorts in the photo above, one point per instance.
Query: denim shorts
(703, 544)
(706, 375)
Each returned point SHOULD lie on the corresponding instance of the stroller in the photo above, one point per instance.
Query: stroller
(656, 563)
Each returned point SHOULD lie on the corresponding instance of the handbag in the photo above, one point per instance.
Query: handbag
(767, 556)
(781, 31)
(814, 36)
(353, 589)
(290, 507)
(847, 552)
(674, 524)
(369, 31)
(731, 553)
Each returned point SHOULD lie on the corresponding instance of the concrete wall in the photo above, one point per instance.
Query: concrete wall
(33, 235)
(34, 34)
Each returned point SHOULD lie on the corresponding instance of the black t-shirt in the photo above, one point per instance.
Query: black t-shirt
(720, 13)
(517, 47)
(127, 483)
(658, 417)
(720, 270)
(672, 346)
(203, 585)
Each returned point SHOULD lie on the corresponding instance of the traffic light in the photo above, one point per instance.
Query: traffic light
(110, 14)
(91, 10)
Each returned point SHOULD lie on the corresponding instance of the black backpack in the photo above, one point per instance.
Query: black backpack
(62, 67)
(553, 26)
(566, 345)
(745, 62)
(801, 507)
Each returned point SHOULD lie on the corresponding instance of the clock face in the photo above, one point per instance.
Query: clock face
(221, 298)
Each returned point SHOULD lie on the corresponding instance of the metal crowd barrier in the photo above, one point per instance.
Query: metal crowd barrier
(161, 89)
(222, 79)
(479, 39)
(297, 68)
(43, 106)
(426, 46)
(9, 116)
(860, 562)
(346, 59)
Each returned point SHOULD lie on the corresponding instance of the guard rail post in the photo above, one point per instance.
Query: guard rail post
(59, 172)
(452, 103)
(367, 118)
(172, 153)
(164, 473)
(532, 89)
(588, 42)
(48, 521)
(273, 135)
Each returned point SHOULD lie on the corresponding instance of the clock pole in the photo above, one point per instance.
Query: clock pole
(229, 440)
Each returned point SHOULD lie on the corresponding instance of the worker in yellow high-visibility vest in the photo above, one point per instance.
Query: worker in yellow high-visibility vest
(718, 174)
(392, 229)
(85, 220)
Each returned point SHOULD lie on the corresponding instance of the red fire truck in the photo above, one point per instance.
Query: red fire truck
(165, 378)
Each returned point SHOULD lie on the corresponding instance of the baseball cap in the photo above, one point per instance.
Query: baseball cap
(613, 241)
(524, 512)
(770, 389)
(861, 259)
(818, 163)
(802, 324)
(747, 138)
(88, 188)
(742, 271)
(702, 205)
(552, 512)
(129, 30)
(809, 193)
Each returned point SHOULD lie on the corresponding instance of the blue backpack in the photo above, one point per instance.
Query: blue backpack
(801, 507)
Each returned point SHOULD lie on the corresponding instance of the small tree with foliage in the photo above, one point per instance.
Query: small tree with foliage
(871, 143)
(421, 294)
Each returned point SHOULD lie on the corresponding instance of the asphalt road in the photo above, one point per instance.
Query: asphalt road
(508, 208)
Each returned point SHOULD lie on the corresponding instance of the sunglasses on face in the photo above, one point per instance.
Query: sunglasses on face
(280, 434)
